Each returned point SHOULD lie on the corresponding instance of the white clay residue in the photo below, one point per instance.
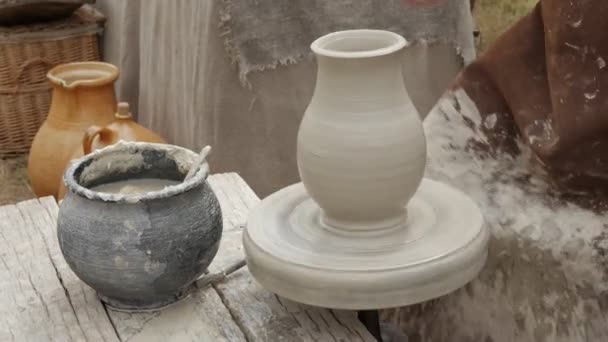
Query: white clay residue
(117, 162)
(570, 45)
(123, 156)
(540, 132)
(506, 202)
(576, 23)
(542, 248)
(601, 63)
(591, 96)
(490, 121)
(133, 186)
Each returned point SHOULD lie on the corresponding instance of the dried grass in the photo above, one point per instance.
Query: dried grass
(14, 183)
(493, 17)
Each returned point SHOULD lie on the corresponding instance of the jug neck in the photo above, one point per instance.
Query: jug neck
(122, 112)
(359, 66)
(359, 79)
(83, 105)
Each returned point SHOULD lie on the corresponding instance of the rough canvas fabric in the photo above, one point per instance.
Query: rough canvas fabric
(545, 80)
(262, 34)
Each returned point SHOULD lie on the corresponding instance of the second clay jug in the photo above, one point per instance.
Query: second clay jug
(122, 128)
(83, 95)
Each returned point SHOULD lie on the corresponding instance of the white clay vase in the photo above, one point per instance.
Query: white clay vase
(363, 230)
(361, 145)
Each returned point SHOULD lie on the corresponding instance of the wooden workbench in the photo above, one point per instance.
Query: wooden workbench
(42, 300)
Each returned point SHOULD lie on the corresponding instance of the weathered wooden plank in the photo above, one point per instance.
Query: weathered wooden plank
(260, 314)
(48, 302)
(236, 198)
(91, 314)
(202, 316)
(36, 304)
(266, 317)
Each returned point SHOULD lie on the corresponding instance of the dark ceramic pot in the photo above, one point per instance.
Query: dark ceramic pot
(139, 251)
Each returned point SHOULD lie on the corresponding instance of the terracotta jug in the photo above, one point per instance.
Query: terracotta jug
(122, 128)
(83, 95)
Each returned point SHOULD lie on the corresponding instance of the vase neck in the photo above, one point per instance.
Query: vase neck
(83, 105)
(360, 79)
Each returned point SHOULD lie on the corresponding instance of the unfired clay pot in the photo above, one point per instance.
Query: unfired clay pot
(363, 230)
(361, 146)
(122, 128)
(83, 95)
(143, 250)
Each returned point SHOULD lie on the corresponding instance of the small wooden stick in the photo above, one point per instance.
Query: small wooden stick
(212, 278)
(198, 162)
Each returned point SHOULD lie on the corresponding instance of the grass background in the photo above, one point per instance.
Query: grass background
(494, 16)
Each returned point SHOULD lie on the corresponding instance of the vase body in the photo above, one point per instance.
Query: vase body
(361, 146)
(83, 95)
(122, 128)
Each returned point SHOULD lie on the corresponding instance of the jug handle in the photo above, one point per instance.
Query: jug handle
(104, 133)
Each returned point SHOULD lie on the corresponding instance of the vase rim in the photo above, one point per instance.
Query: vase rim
(182, 156)
(83, 74)
(359, 43)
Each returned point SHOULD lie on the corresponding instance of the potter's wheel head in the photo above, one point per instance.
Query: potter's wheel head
(439, 248)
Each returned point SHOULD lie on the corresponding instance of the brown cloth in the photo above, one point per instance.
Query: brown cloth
(545, 81)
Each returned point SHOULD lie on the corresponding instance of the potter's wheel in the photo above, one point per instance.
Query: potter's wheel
(440, 248)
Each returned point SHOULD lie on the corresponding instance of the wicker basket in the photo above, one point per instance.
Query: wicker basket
(21, 12)
(26, 55)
